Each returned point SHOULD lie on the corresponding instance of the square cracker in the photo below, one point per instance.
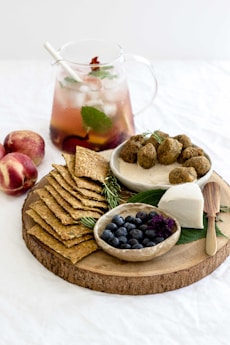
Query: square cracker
(74, 198)
(74, 254)
(90, 164)
(81, 182)
(75, 213)
(86, 193)
(57, 209)
(66, 232)
(67, 243)
(75, 182)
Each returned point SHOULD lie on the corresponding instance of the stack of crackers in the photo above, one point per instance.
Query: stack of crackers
(71, 192)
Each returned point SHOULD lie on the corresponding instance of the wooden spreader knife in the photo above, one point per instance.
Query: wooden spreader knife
(211, 193)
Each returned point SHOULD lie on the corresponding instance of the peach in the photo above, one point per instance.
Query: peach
(18, 173)
(27, 142)
(2, 151)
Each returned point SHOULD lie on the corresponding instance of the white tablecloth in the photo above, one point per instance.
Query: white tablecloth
(37, 307)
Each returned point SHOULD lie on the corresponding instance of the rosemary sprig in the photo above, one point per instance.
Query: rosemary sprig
(89, 222)
(224, 209)
(111, 190)
(156, 134)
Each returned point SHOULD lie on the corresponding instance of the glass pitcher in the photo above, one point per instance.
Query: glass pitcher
(94, 109)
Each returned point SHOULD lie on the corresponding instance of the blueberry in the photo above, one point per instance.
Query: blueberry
(137, 222)
(122, 240)
(130, 219)
(150, 244)
(129, 226)
(125, 246)
(133, 241)
(142, 215)
(122, 231)
(136, 233)
(107, 235)
(150, 233)
(152, 214)
(137, 246)
(143, 227)
(145, 241)
(159, 239)
(118, 220)
(111, 226)
(114, 242)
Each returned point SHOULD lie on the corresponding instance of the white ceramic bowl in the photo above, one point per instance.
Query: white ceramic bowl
(135, 255)
(137, 186)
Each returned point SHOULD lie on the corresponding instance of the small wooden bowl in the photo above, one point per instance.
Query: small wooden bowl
(135, 255)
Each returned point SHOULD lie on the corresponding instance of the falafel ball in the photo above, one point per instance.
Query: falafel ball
(156, 138)
(139, 139)
(182, 175)
(184, 140)
(190, 152)
(147, 156)
(129, 152)
(168, 151)
(200, 163)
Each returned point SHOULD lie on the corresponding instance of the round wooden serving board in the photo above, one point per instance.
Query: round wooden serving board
(181, 266)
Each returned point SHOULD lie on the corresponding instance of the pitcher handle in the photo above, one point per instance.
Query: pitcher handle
(154, 84)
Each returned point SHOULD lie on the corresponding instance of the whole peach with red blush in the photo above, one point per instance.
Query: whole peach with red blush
(27, 142)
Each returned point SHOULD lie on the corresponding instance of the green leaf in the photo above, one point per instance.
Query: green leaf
(190, 235)
(70, 80)
(95, 119)
(151, 197)
(103, 72)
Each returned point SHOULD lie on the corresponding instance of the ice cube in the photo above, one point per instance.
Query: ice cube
(84, 88)
(116, 93)
(109, 83)
(93, 83)
(77, 99)
(95, 96)
(109, 109)
(94, 103)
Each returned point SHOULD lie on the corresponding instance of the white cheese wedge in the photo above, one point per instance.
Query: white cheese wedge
(185, 202)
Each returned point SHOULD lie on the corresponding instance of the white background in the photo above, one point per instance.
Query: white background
(39, 308)
(154, 28)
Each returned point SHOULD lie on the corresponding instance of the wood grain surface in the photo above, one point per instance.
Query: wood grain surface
(181, 266)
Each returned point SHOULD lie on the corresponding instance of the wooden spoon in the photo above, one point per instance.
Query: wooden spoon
(211, 193)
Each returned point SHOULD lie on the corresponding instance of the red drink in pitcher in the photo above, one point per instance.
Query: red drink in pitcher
(91, 105)
(95, 114)
(94, 111)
